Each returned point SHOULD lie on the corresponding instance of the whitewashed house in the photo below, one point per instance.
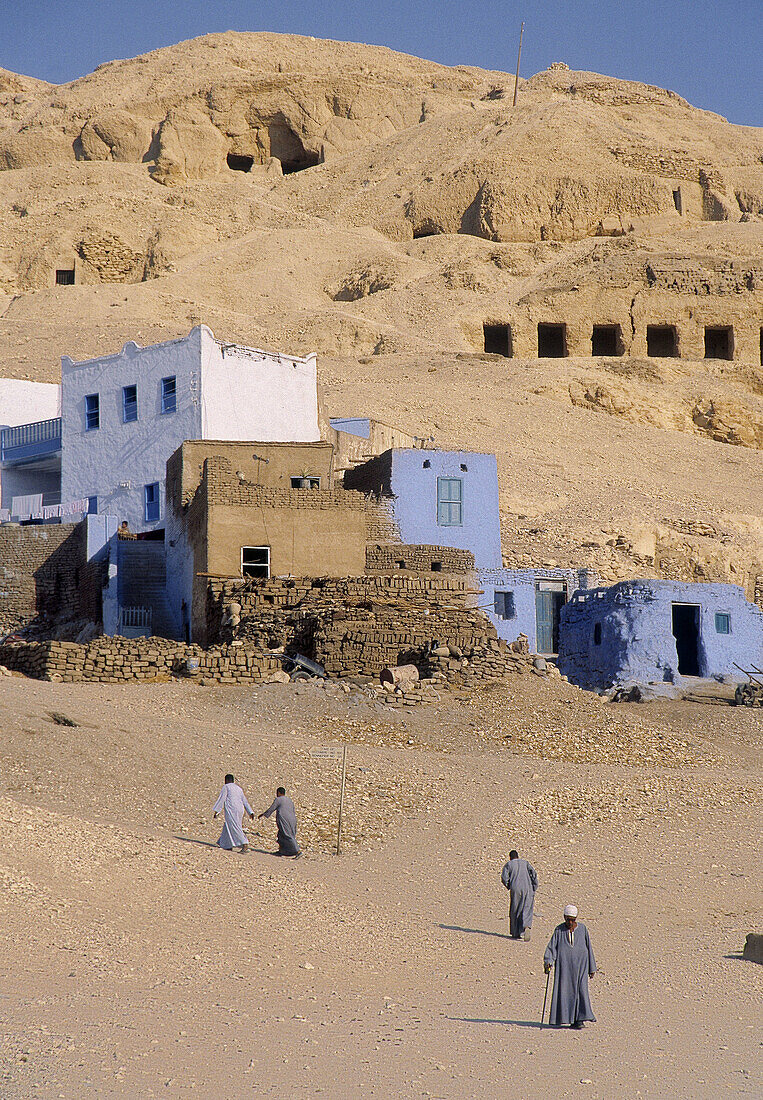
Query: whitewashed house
(123, 415)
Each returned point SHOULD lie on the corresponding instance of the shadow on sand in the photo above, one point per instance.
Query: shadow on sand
(213, 844)
(506, 1023)
(473, 931)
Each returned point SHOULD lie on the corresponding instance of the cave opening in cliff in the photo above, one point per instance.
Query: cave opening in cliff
(497, 340)
(287, 147)
(237, 162)
(662, 341)
(606, 340)
(552, 341)
(719, 342)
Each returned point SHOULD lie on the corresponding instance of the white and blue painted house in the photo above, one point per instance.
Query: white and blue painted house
(659, 631)
(450, 498)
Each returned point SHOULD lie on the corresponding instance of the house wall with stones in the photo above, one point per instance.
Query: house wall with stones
(45, 577)
(410, 480)
(624, 633)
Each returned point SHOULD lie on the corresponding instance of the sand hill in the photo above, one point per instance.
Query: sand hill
(381, 210)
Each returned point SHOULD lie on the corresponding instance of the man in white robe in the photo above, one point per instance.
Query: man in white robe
(233, 803)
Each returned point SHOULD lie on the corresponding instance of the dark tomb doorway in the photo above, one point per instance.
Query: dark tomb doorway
(498, 340)
(661, 341)
(552, 341)
(237, 162)
(686, 634)
(605, 340)
(719, 343)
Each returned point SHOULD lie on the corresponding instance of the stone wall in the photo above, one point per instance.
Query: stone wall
(418, 559)
(45, 577)
(116, 660)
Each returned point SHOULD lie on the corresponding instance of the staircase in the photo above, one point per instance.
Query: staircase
(142, 580)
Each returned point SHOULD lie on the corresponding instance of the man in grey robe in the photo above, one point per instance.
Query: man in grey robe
(569, 951)
(232, 801)
(286, 823)
(520, 879)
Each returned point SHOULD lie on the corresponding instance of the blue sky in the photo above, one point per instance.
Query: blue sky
(709, 51)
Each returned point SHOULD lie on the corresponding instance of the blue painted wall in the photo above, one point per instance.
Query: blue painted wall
(521, 583)
(413, 484)
(637, 643)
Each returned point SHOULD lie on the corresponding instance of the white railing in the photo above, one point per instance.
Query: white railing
(31, 436)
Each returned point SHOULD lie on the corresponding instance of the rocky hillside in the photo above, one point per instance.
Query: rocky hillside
(383, 210)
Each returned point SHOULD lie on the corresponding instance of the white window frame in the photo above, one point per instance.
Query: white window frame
(267, 563)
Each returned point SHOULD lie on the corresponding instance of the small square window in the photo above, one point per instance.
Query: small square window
(151, 502)
(129, 404)
(449, 502)
(169, 395)
(255, 561)
(305, 482)
(437, 567)
(92, 412)
(722, 622)
(503, 605)
(426, 464)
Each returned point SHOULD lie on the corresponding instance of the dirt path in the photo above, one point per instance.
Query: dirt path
(142, 961)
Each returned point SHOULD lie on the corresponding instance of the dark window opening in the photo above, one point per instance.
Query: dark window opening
(437, 567)
(169, 394)
(661, 341)
(552, 341)
(503, 605)
(426, 464)
(606, 340)
(464, 467)
(92, 506)
(129, 404)
(255, 561)
(305, 482)
(151, 502)
(92, 412)
(686, 634)
(401, 565)
(237, 162)
(719, 343)
(498, 340)
(597, 633)
(677, 201)
(65, 276)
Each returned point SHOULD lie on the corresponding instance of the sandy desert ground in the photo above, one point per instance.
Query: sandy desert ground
(140, 960)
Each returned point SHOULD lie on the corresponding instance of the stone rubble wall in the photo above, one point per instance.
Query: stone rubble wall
(418, 559)
(118, 660)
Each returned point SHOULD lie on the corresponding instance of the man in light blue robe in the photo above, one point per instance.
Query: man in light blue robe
(286, 823)
(570, 953)
(520, 879)
(233, 803)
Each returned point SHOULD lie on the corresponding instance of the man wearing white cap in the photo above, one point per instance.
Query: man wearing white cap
(569, 951)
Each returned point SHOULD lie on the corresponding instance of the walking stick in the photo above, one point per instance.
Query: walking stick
(545, 995)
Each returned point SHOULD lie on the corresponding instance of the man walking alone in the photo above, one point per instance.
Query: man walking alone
(520, 879)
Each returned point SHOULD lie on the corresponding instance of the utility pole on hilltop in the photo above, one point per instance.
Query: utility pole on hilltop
(519, 57)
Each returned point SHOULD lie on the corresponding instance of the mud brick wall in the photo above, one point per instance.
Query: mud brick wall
(117, 660)
(418, 559)
(44, 576)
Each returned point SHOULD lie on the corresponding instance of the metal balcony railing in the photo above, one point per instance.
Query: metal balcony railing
(29, 441)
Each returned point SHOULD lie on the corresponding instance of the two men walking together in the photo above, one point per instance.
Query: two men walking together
(232, 803)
